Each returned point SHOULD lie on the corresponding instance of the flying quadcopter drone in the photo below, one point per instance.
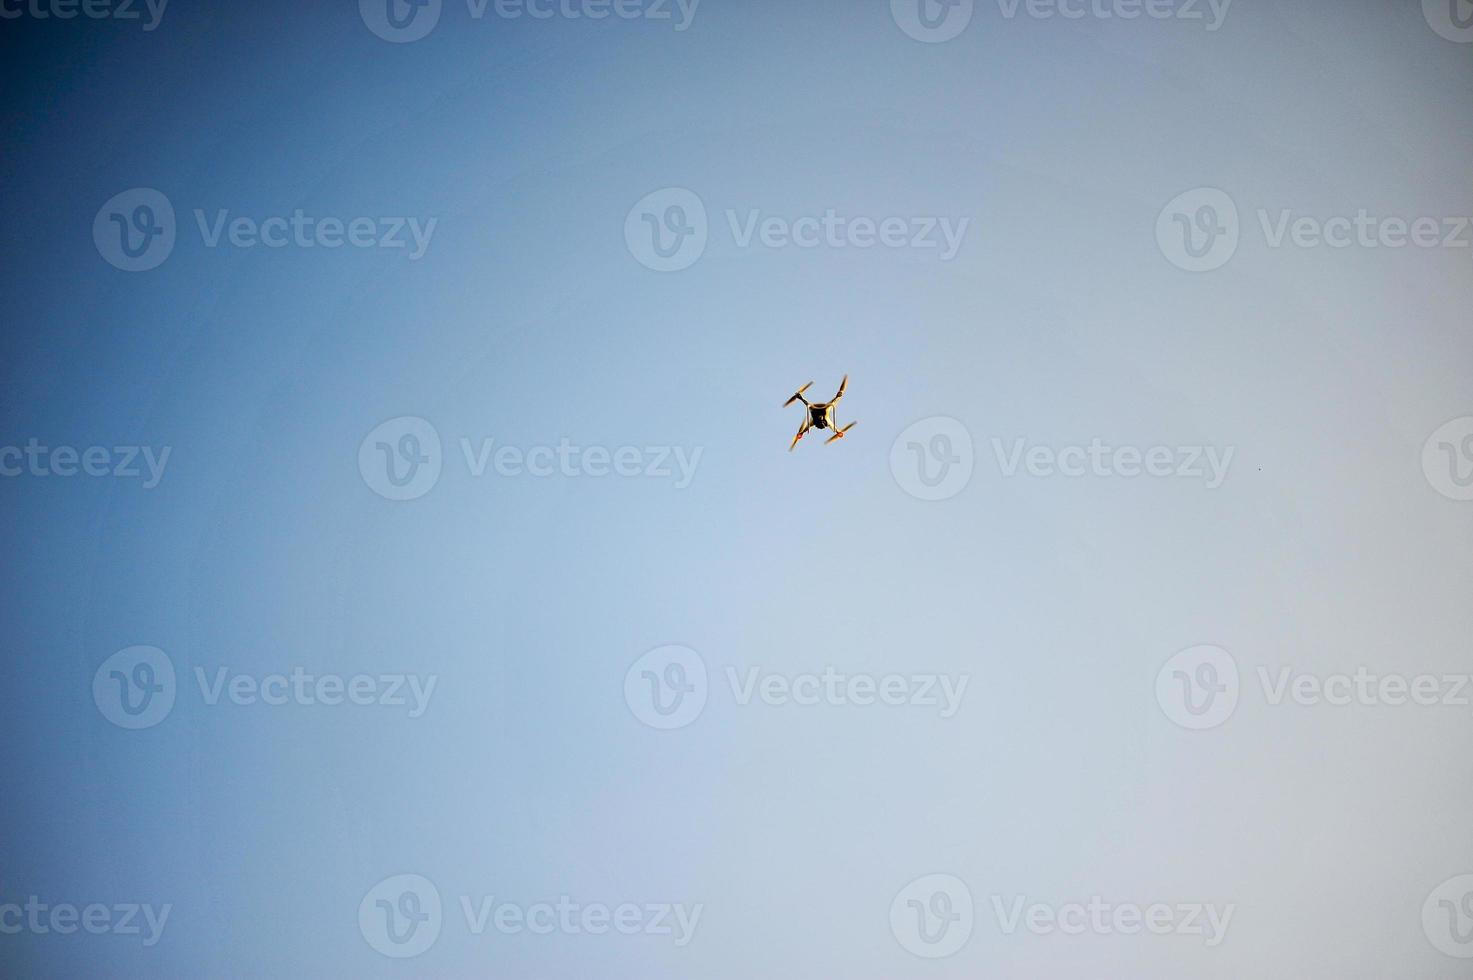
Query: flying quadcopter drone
(819, 415)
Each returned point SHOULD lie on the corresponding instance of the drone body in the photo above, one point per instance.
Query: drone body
(818, 415)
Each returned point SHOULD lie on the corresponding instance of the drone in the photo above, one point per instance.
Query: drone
(819, 415)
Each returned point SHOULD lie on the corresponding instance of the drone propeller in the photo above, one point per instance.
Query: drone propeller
(842, 385)
(840, 433)
(798, 395)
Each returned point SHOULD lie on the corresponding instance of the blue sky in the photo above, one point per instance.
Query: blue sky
(1322, 379)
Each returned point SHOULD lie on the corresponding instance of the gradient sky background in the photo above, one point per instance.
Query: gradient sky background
(528, 321)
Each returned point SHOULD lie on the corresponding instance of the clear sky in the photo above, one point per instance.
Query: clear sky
(1029, 246)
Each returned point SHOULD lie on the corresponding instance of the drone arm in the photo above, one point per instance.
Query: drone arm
(802, 428)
